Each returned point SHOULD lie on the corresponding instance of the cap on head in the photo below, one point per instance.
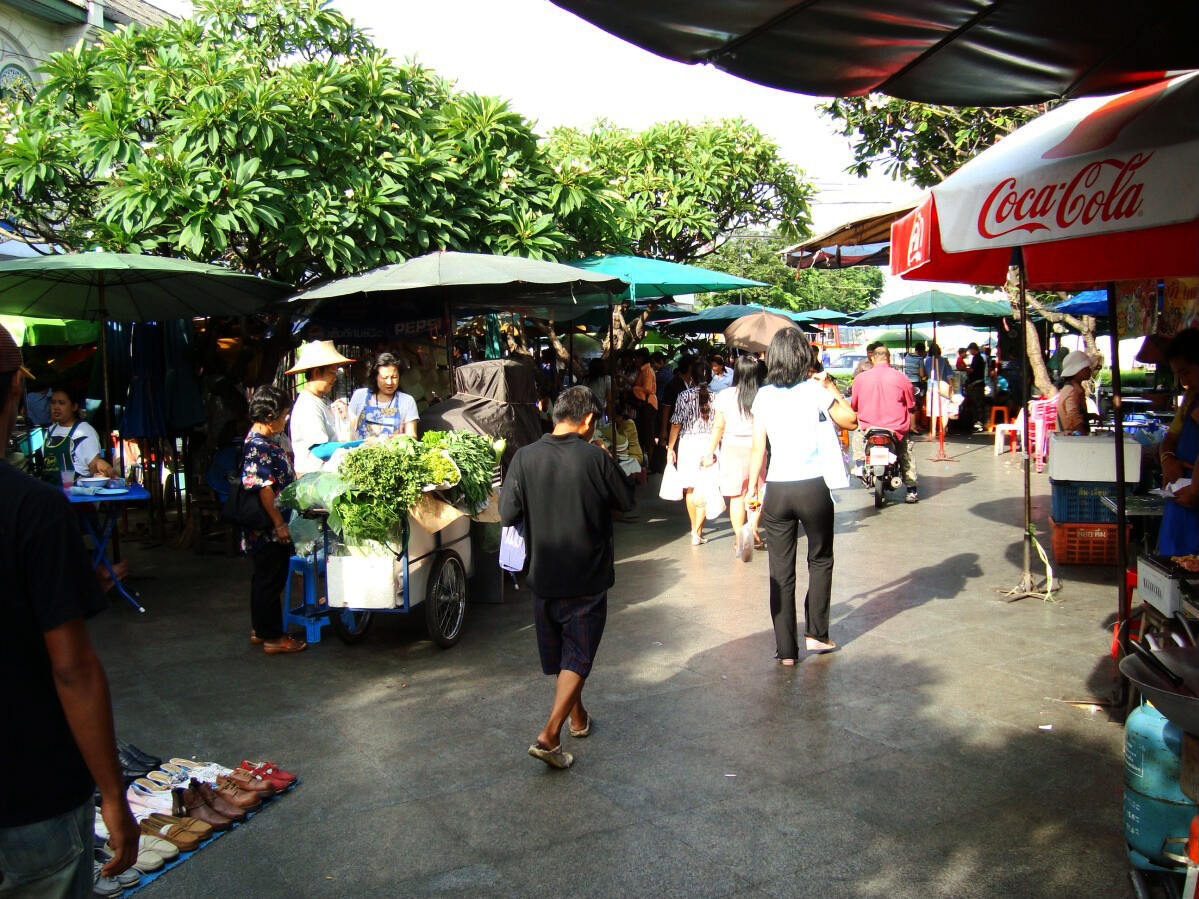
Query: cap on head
(1075, 362)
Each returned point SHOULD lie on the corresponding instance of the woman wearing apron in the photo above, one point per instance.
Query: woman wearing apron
(72, 446)
(1180, 519)
(382, 409)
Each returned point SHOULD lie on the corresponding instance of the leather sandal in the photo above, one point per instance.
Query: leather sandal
(193, 826)
(175, 834)
(231, 792)
(287, 643)
(219, 803)
(268, 771)
(197, 807)
(253, 783)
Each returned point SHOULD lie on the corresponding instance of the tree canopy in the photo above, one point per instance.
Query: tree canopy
(688, 187)
(272, 135)
(920, 142)
(757, 257)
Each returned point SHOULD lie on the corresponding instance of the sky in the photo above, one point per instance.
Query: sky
(557, 69)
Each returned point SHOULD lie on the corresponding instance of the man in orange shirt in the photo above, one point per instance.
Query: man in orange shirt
(645, 392)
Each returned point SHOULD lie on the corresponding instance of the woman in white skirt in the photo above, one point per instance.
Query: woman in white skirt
(691, 426)
(731, 442)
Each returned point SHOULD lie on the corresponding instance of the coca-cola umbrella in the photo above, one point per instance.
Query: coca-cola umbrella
(1096, 191)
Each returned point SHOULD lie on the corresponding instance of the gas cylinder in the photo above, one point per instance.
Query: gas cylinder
(1155, 808)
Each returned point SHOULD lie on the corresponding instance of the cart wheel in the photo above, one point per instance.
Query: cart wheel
(350, 626)
(445, 604)
(880, 491)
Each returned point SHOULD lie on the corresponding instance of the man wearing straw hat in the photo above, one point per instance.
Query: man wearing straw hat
(312, 416)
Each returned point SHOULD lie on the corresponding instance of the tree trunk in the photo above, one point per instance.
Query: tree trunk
(623, 334)
(1036, 358)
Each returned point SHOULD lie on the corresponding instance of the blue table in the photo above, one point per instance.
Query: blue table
(110, 505)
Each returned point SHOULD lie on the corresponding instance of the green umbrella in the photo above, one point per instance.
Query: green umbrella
(481, 282)
(893, 339)
(824, 317)
(128, 287)
(936, 306)
(717, 318)
(50, 331)
(649, 279)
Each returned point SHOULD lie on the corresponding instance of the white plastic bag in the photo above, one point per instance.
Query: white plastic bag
(512, 548)
(832, 460)
(672, 485)
(709, 492)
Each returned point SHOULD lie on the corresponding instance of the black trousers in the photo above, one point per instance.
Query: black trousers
(647, 428)
(266, 588)
(788, 506)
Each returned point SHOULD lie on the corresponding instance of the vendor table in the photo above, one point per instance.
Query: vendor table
(110, 506)
(1144, 507)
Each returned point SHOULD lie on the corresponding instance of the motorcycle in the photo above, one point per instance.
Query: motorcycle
(881, 469)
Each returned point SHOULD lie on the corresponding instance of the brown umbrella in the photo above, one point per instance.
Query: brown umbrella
(754, 332)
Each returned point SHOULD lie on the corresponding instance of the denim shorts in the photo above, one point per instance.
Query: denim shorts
(51, 857)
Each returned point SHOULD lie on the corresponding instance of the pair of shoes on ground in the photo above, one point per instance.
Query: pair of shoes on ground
(103, 885)
(559, 757)
(134, 762)
(147, 846)
(285, 644)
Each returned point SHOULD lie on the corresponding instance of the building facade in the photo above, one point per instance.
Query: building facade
(30, 30)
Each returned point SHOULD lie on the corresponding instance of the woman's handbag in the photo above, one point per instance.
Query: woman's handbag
(244, 509)
(832, 461)
(672, 485)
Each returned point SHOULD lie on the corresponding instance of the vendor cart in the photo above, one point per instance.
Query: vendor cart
(429, 573)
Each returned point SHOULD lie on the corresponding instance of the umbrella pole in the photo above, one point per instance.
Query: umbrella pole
(1025, 587)
(1121, 517)
(104, 366)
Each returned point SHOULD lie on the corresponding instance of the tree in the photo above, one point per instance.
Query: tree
(757, 258)
(924, 144)
(920, 142)
(273, 136)
(688, 187)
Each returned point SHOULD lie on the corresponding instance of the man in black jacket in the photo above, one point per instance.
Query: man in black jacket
(563, 490)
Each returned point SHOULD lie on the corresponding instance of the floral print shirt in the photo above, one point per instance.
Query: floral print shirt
(687, 413)
(264, 463)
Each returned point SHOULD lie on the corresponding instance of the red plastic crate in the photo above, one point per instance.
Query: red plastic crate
(1083, 543)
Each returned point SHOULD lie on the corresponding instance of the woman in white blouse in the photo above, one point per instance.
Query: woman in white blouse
(789, 412)
(312, 416)
(732, 441)
(691, 427)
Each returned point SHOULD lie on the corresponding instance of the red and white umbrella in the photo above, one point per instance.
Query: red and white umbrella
(1100, 189)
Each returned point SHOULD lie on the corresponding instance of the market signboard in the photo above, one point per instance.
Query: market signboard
(1180, 306)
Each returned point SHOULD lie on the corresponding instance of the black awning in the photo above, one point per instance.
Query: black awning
(955, 52)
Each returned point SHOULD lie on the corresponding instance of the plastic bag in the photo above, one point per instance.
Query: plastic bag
(672, 485)
(512, 548)
(832, 459)
(709, 492)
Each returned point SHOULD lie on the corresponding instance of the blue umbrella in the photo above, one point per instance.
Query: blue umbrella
(1089, 302)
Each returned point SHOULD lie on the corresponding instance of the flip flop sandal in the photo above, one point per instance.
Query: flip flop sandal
(555, 758)
(153, 785)
(583, 731)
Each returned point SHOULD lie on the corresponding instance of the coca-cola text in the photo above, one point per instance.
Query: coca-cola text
(1104, 189)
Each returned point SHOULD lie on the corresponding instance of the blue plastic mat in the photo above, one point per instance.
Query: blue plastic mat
(148, 879)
